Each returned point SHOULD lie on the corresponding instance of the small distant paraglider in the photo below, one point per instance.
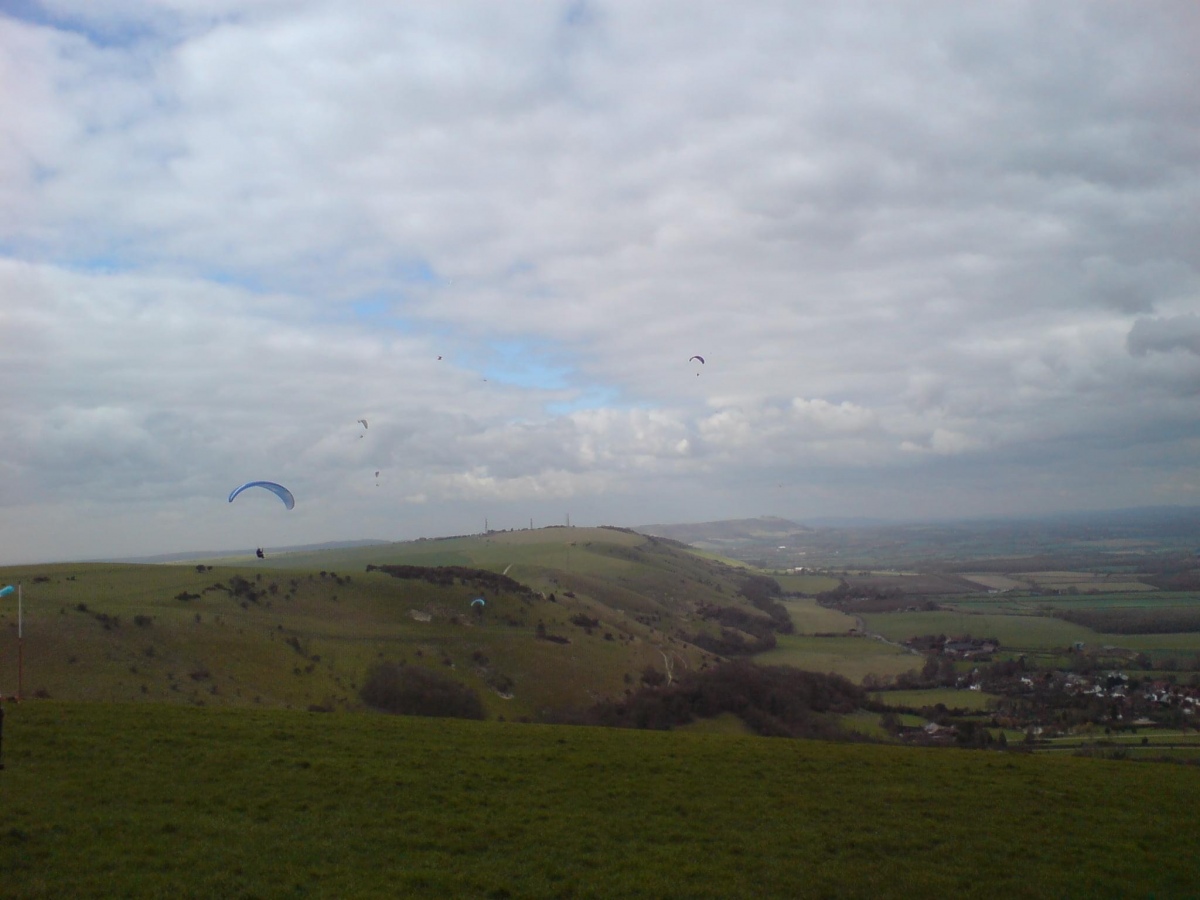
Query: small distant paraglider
(277, 489)
(259, 553)
(363, 423)
(694, 359)
(6, 590)
(478, 601)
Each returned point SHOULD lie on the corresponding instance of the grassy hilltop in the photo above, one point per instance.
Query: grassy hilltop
(300, 630)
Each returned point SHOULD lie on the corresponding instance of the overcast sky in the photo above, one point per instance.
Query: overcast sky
(940, 258)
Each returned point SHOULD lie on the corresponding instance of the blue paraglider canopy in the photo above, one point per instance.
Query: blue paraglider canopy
(277, 489)
(6, 590)
(478, 600)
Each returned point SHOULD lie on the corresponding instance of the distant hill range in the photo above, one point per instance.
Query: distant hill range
(1090, 535)
(730, 532)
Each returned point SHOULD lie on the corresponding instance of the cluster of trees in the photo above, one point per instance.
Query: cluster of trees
(762, 591)
(1135, 621)
(867, 598)
(240, 589)
(447, 575)
(1180, 574)
(543, 635)
(418, 691)
(774, 701)
(742, 633)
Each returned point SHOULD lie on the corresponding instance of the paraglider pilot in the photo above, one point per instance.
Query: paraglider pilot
(259, 553)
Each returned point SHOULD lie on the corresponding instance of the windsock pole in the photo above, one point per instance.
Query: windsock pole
(20, 646)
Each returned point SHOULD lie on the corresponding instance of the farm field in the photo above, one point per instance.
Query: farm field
(809, 617)
(1162, 621)
(1142, 744)
(996, 581)
(278, 802)
(866, 723)
(851, 657)
(806, 584)
(1013, 631)
(1081, 581)
(1182, 642)
(1044, 604)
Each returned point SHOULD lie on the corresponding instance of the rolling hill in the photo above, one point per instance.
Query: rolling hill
(587, 611)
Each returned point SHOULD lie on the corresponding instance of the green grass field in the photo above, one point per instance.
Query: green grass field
(1013, 631)
(809, 617)
(806, 584)
(1140, 601)
(1082, 581)
(153, 800)
(851, 657)
(1026, 631)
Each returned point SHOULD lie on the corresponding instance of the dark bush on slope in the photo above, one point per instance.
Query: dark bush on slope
(448, 575)
(417, 691)
(774, 701)
(762, 591)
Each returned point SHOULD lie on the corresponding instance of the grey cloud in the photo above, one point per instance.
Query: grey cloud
(1162, 335)
(963, 236)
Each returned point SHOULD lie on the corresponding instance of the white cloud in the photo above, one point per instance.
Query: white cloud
(916, 246)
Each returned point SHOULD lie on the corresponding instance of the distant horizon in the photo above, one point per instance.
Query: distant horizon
(832, 523)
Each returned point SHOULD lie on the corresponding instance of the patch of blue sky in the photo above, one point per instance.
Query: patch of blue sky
(100, 264)
(29, 11)
(99, 30)
(520, 267)
(577, 13)
(377, 312)
(372, 309)
(239, 280)
(417, 272)
(526, 364)
(595, 397)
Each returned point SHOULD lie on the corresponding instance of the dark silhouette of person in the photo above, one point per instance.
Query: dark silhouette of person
(259, 553)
